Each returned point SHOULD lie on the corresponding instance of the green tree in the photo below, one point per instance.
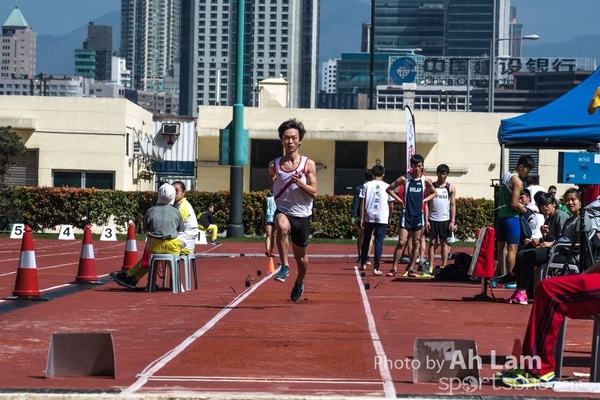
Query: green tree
(11, 146)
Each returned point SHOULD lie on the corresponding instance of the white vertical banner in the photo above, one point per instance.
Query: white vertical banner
(410, 136)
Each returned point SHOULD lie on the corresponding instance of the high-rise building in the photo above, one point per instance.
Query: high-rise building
(409, 24)
(150, 32)
(94, 59)
(440, 27)
(280, 40)
(18, 47)
(329, 74)
(516, 33)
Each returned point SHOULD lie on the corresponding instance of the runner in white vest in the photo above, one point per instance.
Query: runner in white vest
(442, 214)
(294, 181)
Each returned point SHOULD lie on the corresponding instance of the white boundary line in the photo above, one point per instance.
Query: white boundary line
(240, 379)
(388, 384)
(160, 362)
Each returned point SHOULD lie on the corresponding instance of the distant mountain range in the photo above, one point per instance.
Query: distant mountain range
(55, 54)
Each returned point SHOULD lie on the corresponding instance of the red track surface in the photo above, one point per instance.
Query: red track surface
(229, 338)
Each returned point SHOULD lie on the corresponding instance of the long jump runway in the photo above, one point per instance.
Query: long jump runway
(225, 337)
(264, 342)
(230, 340)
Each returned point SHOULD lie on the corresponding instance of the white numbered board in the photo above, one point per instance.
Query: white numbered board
(201, 237)
(109, 234)
(66, 232)
(17, 231)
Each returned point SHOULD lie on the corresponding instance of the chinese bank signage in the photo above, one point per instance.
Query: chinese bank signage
(454, 71)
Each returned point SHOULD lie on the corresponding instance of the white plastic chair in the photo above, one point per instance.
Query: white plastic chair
(172, 261)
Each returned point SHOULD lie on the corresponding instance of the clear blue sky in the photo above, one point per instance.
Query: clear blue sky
(553, 20)
(57, 17)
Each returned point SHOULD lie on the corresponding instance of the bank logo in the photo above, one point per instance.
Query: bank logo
(403, 70)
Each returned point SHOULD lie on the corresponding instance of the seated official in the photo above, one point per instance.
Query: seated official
(206, 222)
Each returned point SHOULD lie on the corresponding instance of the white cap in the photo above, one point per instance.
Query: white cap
(166, 195)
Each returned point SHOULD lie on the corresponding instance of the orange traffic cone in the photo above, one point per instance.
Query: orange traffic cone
(130, 257)
(87, 262)
(26, 284)
(271, 265)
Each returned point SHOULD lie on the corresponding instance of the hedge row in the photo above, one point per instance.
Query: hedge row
(47, 208)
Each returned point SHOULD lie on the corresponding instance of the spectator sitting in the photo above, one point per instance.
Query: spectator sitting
(189, 218)
(207, 223)
(554, 221)
(574, 296)
(527, 259)
(535, 220)
(163, 224)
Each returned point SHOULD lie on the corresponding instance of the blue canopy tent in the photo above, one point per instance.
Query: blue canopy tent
(563, 124)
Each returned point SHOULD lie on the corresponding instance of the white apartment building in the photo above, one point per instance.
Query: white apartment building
(119, 72)
(281, 40)
(329, 76)
(150, 32)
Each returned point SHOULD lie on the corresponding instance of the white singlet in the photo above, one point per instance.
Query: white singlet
(290, 199)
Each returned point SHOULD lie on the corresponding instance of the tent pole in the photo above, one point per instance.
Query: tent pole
(501, 161)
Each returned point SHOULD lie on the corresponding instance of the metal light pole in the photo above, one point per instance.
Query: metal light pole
(235, 228)
(492, 61)
(493, 40)
(468, 84)
(372, 57)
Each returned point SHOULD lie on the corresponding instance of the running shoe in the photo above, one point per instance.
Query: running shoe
(409, 272)
(117, 274)
(283, 273)
(518, 297)
(126, 281)
(508, 372)
(392, 273)
(511, 286)
(504, 279)
(357, 260)
(528, 380)
(377, 272)
(297, 291)
(368, 262)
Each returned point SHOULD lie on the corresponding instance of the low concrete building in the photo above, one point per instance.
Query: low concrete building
(80, 142)
(116, 144)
